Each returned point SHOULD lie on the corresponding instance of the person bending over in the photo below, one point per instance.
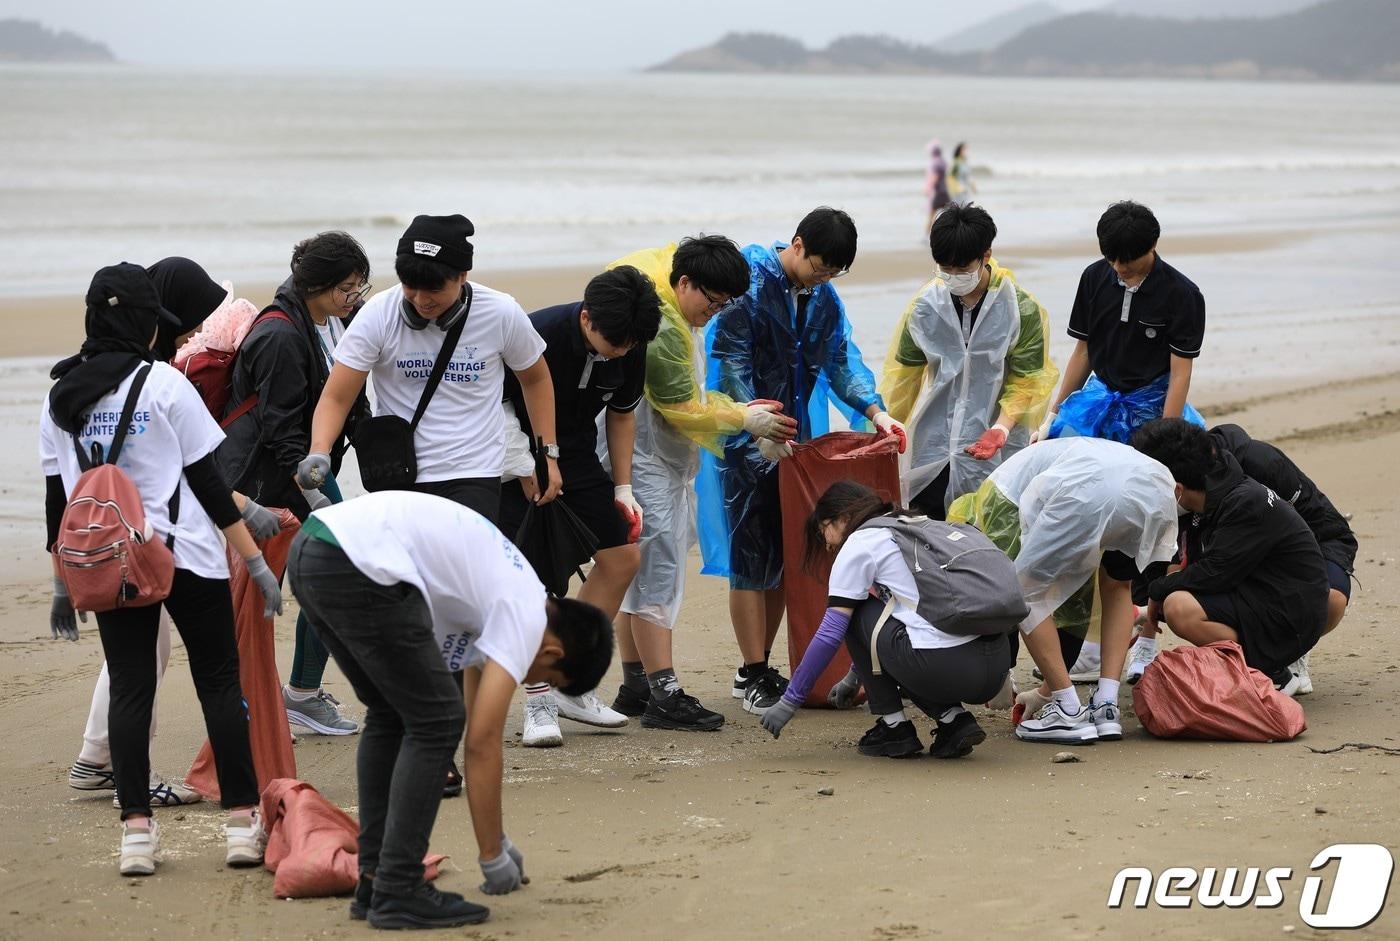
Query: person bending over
(1254, 572)
(404, 588)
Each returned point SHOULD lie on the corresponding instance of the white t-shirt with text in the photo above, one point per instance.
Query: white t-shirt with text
(484, 598)
(871, 557)
(462, 433)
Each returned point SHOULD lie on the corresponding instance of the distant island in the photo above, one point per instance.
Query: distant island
(31, 41)
(1350, 40)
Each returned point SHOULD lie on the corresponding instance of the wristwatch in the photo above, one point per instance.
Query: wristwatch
(551, 451)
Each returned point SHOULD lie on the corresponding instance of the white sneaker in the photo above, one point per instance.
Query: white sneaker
(542, 722)
(1085, 668)
(1291, 686)
(1107, 721)
(1299, 668)
(140, 850)
(1052, 724)
(1006, 696)
(167, 794)
(589, 710)
(86, 776)
(1140, 657)
(246, 841)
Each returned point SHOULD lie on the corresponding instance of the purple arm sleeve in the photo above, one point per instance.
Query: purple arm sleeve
(830, 635)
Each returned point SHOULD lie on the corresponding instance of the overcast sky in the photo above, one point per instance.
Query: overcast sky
(513, 35)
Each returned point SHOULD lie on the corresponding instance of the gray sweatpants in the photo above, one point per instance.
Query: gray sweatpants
(934, 680)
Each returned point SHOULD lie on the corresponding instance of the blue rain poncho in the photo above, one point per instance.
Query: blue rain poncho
(758, 352)
(1096, 411)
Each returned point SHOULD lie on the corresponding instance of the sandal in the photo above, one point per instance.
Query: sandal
(453, 787)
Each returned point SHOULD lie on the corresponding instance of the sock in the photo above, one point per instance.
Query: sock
(1068, 700)
(536, 689)
(137, 823)
(634, 676)
(296, 695)
(894, 718)
(767, 655)
(663, 682)
(750, 670)
(245, 813)
(949, 714)
(1107, 692)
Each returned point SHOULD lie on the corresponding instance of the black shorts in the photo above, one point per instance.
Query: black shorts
(482, 494)
(590, 498)
(1338, 579)
(1119, 566)
(1220, 609)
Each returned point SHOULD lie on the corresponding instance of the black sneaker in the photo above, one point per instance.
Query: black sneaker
(426, 907)
(742, 683)
(681, 712)
(630, 702)
(957, 738)
(453, 784)
(890, 741)
(364, 898)
(764, 692)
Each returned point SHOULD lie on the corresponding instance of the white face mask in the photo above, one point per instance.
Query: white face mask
(963, 284)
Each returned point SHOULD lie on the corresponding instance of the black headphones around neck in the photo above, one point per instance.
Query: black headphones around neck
(417, 321)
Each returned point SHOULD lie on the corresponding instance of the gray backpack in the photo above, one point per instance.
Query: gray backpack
(966, 584)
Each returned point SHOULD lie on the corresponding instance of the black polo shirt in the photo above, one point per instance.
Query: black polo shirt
(1132, 335)
(584, 384)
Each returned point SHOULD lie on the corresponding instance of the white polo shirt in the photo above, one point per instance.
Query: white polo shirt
(462, 434)
(870, 559)
(484, 599)
(171, 428)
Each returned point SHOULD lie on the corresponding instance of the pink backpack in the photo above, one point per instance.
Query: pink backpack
(104, 552)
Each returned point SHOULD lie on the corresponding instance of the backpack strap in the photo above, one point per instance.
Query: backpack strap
(246, 406)
(449, 343)
(114, 450)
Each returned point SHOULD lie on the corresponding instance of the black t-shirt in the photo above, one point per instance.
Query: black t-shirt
(583, 385)
(1132, 336)
(968, 316)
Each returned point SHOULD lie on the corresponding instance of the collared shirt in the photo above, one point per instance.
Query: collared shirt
(1134, 332)
(584, 384)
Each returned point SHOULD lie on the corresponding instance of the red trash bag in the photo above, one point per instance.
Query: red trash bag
(868, 459)
(1211, 693)
(313, 845)
(268, 732)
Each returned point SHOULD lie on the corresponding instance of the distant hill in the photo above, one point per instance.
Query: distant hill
(1205, 9)
(991, 33)
(31, 41)
(1338, 39)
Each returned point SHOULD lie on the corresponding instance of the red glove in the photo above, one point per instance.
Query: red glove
(886, 425)
(992, 441)
(630, 509)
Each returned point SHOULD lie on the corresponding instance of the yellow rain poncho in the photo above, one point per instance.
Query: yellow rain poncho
(675, 385)
(948, 384)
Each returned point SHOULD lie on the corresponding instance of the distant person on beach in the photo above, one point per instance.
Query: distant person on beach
(1254, 571)
(935, 183)
(960, 185)
(694, 280)
(1073, 513)
(786, 340)
(283, 365)
(969, 366)
(934, 669)
(1138, 324)
(166, 449)
(596, 349)
(189, 295)
(405, 589)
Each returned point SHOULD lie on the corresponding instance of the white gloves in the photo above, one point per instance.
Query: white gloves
(774, 451)
(765, 420)
(886, 425)
(630, 509)
(1043, 432)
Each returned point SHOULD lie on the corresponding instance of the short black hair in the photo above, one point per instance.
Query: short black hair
(961, 235)
(1127, 230)
(1184, 448)
(622, 305)
(325, 260)
(423, 274)
(830, 235)
(713, 263)
(587, 637)
(958, 150)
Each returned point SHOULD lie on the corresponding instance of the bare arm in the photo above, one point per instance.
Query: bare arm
(1177, 387)
(488, 693)
(337, 398)
(1076, 373)
(621, 428)
(537, 389)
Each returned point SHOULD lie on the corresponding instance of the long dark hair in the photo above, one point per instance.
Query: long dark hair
(848, 500)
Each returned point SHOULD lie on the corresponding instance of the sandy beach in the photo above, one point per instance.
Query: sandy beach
(724, 835)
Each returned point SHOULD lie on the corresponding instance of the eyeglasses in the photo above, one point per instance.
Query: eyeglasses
(717, 304)
(832, 274)
(354, 297)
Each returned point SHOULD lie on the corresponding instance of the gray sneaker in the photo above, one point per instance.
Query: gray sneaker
(318, 714)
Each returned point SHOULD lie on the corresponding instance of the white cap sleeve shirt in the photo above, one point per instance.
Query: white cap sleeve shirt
(462, 434)
(484, 599)
(170, 429)
(871, 559)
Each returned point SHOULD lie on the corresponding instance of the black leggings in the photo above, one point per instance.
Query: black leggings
(202, 611)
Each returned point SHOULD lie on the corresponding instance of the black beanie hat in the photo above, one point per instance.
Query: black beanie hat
(441, 238)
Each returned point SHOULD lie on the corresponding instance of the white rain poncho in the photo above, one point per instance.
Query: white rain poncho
(948, 384)
(1077, 499)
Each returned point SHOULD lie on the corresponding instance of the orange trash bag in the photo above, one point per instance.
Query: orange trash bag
(268, 732)
(868, 459)
(1211, 693)
(313, 845)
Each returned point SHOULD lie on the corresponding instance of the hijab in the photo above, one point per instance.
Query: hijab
(185, 290)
